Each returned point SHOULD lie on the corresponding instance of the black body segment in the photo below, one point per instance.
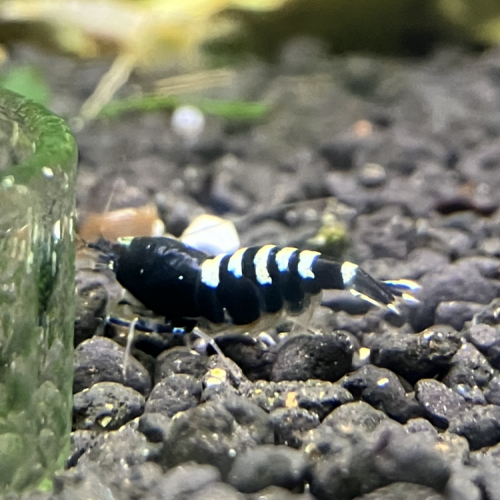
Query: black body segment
(240, 296)
(183, 284)
(290, 284)
(161, 273)
(328, 276)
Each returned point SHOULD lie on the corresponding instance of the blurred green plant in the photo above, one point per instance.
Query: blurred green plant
(478, 20)
(235, 110)
(27, 81)
(137, 31)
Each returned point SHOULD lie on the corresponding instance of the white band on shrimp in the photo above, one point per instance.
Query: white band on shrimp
(210, 271)
(260, 263)
(235, 264)
(349, 271)
(283, 257)
(306, 260)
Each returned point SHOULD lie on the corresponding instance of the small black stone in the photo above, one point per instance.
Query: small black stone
(468, 368)
(403, 491)
(440, 403)
(486, 339)
(341, 153)
(180, 360)
(387, 232)
(416, 356)
(458, 281)
(216, 432)
(217, 491)
(81, 441)
(402, 457)
(456, 312)
(492, 391)
(183, 481)
(91, 298)
(382, 389)
(174, 394)
(101, 360)
(253, 357)
(353, 417)
(479, 425)
(106, 405)
(416, 425)
(277, 493)
(155, 426)
(268, 465)
(290, 424)
(316, 396)
(116, 455)
(324, 357)
(489, 314)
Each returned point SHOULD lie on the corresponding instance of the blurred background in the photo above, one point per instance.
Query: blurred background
(145, 35)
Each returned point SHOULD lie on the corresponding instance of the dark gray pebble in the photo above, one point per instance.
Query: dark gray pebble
(106, 405)
(81, 441)
(343, 470)
(289, 425)
(101, 360)
(91, 298)
(316, 396)
(118, 450)
(416, 356)
(334, 434)
(277, 493)
(382, 389)
(479, 425)
(486, 473)
(77, 484)
(456, 312)
(455, 242)
(341, 152)
(143, 481)
(250, 354)
(217, 491)
(155, 426)
(174, 394)
(488, 267)
(403, 491)
(420, 425)
(384, 233)
(419, 262)
(227, 191)
(458, 281)
(465, 484)
(469, 368)
(216, 432)
(402, 457)
(364, 321)
(325, 357)
(111, 468)
(489, 314)
(473, 395)
(180, 360)
(183, 481)
(353, 417)
(492, 391)
(268, 465)
(358, 459)
(486, 339)
(440, 403)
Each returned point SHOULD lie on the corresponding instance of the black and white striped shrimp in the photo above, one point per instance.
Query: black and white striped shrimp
(187, 287)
